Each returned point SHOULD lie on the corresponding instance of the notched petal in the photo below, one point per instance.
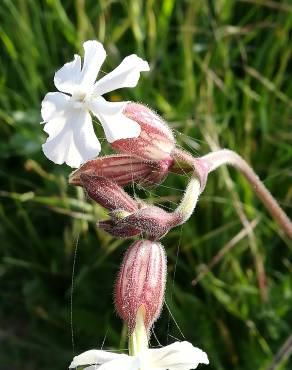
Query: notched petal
(176, 356)
(115, 124)
(72, 139)
(68, 77)
(95, 357)
(94, 56)
(54, 105)
(126, 74)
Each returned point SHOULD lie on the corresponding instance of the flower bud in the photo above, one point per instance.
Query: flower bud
(107, 193)
(155, 141)
(150, 220)
(141, 283)
(111, 227)
(123, 169)
(158, 171)
(129, 217)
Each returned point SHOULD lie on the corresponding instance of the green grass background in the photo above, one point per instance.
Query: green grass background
(221, 76)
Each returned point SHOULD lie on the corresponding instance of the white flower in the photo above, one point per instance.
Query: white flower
(66, 113)
(176, 356)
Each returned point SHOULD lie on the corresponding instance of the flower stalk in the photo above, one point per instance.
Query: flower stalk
(147, 151)
(189, 200)
(184, 163)
(228, 157)
(138, 341)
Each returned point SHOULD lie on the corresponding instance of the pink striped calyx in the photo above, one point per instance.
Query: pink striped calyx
(141, 283)
(129, 217)
(108, 194)
(149, 220)
(155, 142)
(124, 170)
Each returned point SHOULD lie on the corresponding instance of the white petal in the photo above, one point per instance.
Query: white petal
(55, 126)
(72, 139)
(54, 105)
(115, 124)
(67, 79)
(95, 357)
(119, 127)
(126, 363)
(177, 356)
(94, 56)
(126, 74)
(100, 105)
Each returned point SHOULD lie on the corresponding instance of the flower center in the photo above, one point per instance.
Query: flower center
(79, 98)
(79, 95)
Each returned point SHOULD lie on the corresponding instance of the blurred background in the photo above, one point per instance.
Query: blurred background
(221, 76)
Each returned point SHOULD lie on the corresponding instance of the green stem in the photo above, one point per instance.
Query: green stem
(226, 156)
(138, 341)
(189, 200)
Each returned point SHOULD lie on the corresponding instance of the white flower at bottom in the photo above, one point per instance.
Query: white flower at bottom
(176, 356)
(67, 113)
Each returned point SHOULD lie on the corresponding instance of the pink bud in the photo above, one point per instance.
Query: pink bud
(150, 220)
(141, 282)
(110, 226)
(159, 171)
(123, 169)
(107, 193)
(129, 217)
(155, 142)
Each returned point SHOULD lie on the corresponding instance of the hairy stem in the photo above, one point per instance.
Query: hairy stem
(189, 200)
(226, 156)
(138, 340)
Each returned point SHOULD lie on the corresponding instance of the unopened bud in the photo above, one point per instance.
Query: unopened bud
(141, 283)
(157, 173)
(150, 220)
(123, 169)
(108, 194)
(112, 228)
(129, 217)
(155, 141)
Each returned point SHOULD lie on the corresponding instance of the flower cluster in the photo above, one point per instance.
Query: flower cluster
(146, 153)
